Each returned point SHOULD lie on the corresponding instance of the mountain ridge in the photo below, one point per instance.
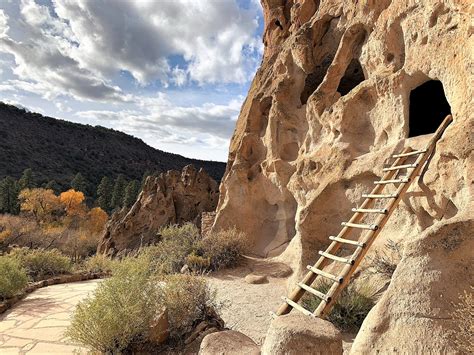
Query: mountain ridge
(56, 149)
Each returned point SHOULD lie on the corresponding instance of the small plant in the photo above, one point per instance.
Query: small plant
(117, 317)
(463, 317)
(352, 305)
(13, 278)
(223, 248)
(41, 263)
(198, 262)
(384, 263)
(99, 263)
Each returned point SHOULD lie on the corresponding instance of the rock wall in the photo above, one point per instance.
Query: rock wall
(171, 198)
(329, 104)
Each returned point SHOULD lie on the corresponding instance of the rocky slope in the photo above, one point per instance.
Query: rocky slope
(58, 150)
(342, 86)
(170, 198)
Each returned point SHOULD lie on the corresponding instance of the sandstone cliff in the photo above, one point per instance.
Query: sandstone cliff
(342, 86)
(171, 198)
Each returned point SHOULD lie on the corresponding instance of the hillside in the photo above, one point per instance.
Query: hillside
(57, 150)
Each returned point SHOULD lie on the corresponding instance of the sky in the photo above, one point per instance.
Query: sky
(173, 73)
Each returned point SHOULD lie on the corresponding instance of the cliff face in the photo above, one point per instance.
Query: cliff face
(171, 198)
(342, 87)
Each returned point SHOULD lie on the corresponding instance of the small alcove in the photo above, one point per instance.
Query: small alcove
(428, 108)
(353, 76)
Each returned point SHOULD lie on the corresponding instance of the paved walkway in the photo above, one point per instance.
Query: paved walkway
(36, 324)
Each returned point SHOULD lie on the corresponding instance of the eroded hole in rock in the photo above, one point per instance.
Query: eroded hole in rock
(313, 80)
(278, 24)
(353, 76)
(428, 108)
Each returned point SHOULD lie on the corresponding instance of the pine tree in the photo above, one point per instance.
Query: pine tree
(104, 193)
(9, 191)
(27, 180)
(131, 193)
(79, 183)
(118, 193)
(52, 185)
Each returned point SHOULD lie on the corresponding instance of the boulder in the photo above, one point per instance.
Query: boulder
(173, 197)
(228, 342)
(159, 328)
(256, 279)
(296, 333)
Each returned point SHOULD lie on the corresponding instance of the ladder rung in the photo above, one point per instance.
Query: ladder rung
(379, 196)
(415, 152)
(406, 166)
(371, 227)
(273, 315)
(317, 293)
(336, 258)
(297, 306)
(395, 181)
(370, 210)
(325, 274)
(347, 241)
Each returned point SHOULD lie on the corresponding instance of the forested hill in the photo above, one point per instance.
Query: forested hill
(58, 150)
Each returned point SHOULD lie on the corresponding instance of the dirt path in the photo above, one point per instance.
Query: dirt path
(248, 305)
(36, 324)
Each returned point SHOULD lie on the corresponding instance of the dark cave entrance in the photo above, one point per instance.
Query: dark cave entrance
(428, 108)
(353, 76)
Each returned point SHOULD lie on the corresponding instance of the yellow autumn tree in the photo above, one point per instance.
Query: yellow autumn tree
(97, 218)
(73, 202)
(41, 203)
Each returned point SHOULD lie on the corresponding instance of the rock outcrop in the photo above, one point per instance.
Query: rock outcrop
(342, 87)
(171, 198)
(296, 333)
(228, 342)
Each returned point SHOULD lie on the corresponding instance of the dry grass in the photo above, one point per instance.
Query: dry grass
(385, 262)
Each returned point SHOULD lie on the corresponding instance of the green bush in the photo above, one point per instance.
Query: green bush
(13, 278)
(352, 305)
(99, 263)
(223, 248)
(41, 263)
(117, 316)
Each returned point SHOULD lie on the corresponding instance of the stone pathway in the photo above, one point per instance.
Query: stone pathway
(36, 324)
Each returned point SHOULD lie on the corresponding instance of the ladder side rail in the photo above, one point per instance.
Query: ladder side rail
(325, 307)
(322, 262)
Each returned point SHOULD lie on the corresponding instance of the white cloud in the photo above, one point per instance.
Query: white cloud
(3, 23)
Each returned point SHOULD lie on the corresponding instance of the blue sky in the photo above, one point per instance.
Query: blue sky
(171, 72)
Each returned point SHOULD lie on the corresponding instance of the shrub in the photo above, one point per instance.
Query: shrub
(351, 307)
(117, 316)
(177, 242)
(41, 263)
(13, 278)
(463, 317)
(198, 262)
(223, 248)
(99, 263)
(384, 263)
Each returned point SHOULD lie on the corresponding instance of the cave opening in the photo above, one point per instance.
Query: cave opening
(353, 76)
(428, 108)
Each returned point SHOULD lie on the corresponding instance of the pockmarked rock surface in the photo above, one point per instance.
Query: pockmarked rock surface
(343, 86)
(36, 325)
(229, 342)
(296, 333)
(171, 198)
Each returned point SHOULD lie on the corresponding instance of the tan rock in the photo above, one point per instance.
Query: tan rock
(228, 342)
(159, 329)
(171, 198)
(256, 279)
(295, 334)
(340, 89)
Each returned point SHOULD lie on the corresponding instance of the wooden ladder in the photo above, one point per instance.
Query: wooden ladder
(369, 231)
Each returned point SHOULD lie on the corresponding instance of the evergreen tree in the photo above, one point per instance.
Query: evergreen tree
(118, 193)
(79, 183)
(52, 185)
(104, 193)
(26, 181)
(9, 191)
(131, 193)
